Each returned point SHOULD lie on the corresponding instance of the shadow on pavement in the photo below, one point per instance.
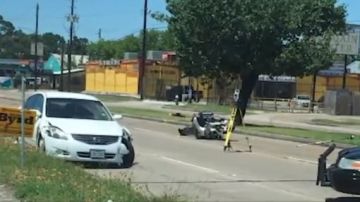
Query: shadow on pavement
(343, 199)
(91, 165)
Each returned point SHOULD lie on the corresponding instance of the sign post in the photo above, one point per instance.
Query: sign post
(18, 123)
(348, 44)
(22, 149)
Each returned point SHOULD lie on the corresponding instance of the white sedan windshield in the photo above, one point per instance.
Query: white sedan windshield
(76, 109)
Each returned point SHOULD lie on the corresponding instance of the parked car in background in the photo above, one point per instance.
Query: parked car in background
(78, 127)
(302, 100)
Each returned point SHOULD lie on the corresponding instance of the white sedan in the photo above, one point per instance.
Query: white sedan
(78, 127)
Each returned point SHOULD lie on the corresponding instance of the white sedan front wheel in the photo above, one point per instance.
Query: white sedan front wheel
(41, 145)
(128, 159)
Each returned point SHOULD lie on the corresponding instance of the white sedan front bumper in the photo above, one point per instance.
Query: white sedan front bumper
(83, 150)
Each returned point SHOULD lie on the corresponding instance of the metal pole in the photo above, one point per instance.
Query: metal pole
(22, 144)
(143, 54)
(99, 34)
(62, 67)
(313, 93)
(36, 46)
(344, 74)
(70, 45)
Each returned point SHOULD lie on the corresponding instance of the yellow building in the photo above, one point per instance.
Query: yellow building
(323, 84)
(123, 77)
(111, 78)
(115, 77)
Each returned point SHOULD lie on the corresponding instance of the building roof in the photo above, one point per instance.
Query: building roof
(4, 61)
(354, 68)
(66, 71)
(337, 69)
(76, 59)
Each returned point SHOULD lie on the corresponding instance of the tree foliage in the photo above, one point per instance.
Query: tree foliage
(15, 43)
(251, 37)
(238, 36)
(109, 49)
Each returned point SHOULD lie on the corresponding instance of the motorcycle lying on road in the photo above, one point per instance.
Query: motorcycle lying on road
(204, 125)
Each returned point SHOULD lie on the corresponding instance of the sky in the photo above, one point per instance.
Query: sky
(116, 18)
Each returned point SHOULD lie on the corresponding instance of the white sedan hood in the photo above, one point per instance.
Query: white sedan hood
(87, 127)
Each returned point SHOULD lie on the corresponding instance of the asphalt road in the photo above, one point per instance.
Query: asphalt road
(200, 170)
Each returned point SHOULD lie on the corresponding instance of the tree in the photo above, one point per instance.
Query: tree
(16, 44)
(52, 42)
(224, 39)
(13, 42)
(80, 45)
(103, 50)
(108, 49)
(6, 27)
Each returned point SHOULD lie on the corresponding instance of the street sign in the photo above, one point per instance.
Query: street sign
(346, 44)
(10, 122)
(40, 49)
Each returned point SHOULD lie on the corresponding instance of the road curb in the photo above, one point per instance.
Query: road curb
(154, 119)
(256, 134)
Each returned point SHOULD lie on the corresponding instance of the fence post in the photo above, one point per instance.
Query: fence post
(275, 104)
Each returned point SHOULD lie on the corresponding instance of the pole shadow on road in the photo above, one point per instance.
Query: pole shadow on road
(343, 199)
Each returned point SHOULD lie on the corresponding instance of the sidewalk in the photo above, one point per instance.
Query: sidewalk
(6, 195)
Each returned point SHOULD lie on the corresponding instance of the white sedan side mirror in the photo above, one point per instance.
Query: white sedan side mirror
(117, 116)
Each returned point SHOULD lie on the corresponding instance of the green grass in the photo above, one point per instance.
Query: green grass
(52, 180)
(114, 98)
(303, 133)
(149, 113)
(329, 122)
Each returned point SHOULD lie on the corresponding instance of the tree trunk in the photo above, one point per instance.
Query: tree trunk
(220, 88)
(248, 83)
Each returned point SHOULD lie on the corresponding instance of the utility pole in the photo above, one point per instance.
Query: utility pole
(36, 46)
(344, 73)
(72, 18)
(143, 53)
(99, 34)
(62, 67)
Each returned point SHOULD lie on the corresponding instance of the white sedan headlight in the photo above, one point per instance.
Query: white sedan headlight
(127, 134)
(55, 132)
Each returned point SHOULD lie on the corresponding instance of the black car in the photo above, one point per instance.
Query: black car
(344, 174)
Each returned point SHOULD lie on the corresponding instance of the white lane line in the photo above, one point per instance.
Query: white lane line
(273, 188)
(209, 170)
(264, 186)
(260, 185)
(301, 160)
